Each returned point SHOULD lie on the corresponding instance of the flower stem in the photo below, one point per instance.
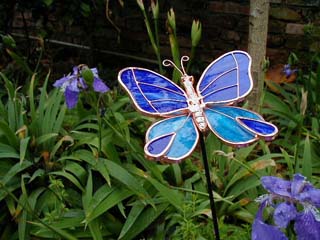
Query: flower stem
(99, 118)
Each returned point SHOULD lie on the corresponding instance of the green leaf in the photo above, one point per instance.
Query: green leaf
(136, 210)
(307, 159)
(45, 137)
(5, 190)
(249, 169)
(70, 177)
(42, 104)
(20, 61)
(111, 152)
(47, 2)
(289, 161)
(77, 170)
(34, 196)
(31, 97)
(244, 185)
(38, 173)
(23, 148)
(177, 173)
(136, 224)
(171, 195)
(22, 225)
(94, 227)
(103, 169)
(122, 175)
(59, 120)
(7, 151)
(14, 170)
(71, 219)
(64, 234)
(9, 86)
(59, 143)
(9, 134)
(87, 194)
(8, 41)
(86, 156)
(102, 193)
(87, 126)
(118, 195)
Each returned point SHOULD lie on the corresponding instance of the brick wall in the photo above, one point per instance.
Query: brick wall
(225, 27)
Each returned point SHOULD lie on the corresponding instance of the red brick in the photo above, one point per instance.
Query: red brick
(284, 14)
(229, 7)
(294, 28)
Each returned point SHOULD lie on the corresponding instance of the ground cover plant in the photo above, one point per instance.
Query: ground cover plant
(72, 163)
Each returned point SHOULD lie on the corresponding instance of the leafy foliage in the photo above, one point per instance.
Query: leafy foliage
(82, 174)
(77, 174)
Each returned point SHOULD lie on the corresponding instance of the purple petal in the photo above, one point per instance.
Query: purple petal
(99, 86)
(82, 83)
(73, 86)
(60, 82)
(94, 71)
(307, 227)
(287, 66)
(284, 213)
(288, 71)
(75, 71)
(263, 231)
(311, 196)
(71, 98)
(277, 186)
(303, 191)
(298, 183)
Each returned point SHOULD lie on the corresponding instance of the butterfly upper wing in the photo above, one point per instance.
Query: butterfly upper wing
(152, 93)
(227, 79)
(171, 139)
(237, 126)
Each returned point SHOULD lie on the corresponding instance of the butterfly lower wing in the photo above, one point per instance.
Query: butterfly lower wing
(171, 139)
(237, 126)
(152, 93)
(227, 79)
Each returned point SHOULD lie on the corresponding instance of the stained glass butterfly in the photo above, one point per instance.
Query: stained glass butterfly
(225, 81)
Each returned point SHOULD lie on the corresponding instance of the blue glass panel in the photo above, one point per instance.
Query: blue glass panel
(223, 95)
(237, 112)
(159, 145)
(228, 129)
(227, 78)
(244, 73)
(185, 139)
(147, 76)
(153, 93)
(262, 128)
(169, 105)
(220, 67)
(147, 89)
(132, 87)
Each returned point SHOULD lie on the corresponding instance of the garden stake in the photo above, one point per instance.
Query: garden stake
(191, 111)
(209, 186)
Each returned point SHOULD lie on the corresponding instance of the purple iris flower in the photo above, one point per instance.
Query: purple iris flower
(286, 197)
(74, 83)
(288, 71)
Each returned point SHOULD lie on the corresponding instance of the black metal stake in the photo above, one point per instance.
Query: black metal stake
(209, 186)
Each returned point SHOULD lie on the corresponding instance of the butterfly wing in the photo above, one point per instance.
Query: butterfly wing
(171, 139)
(152, 93)
(226, 80)
(238, 127)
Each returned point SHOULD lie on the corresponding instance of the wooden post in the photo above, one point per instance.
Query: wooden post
(257, 44)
